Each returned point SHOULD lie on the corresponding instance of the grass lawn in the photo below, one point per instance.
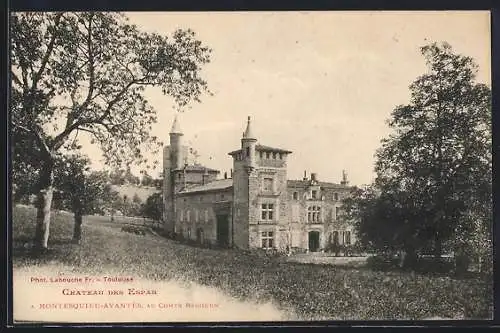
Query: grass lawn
(313, 291)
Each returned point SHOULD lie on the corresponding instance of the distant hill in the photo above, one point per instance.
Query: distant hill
(143, 192)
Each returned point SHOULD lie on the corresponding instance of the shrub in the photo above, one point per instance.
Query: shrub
(381, 262)
(134, 229)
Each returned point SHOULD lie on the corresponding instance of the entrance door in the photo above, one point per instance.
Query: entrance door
(199, 235)
(313, 241)
(223, 230)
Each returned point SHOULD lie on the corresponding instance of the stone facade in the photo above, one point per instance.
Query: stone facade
(257, 206)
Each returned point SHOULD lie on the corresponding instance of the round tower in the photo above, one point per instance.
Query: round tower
(248, 143)
(176, 145)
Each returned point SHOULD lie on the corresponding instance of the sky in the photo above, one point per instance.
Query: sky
(321, 84)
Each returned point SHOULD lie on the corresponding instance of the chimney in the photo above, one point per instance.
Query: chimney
(225, 175)
(313, 176)
(305, 175)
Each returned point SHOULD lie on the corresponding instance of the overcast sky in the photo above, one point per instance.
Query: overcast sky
(320, 84)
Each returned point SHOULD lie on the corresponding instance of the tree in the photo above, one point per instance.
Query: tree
(83, 192)
(436, 166)
(152, 208)
(147, 180)
(90, 69)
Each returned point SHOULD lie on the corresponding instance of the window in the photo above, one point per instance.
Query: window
(267, 211)
(268, 155)
(314, 194)
(267, 184)
(281, 156)
(313, 214)
(335, 237)
(347, 238)
(337, 212)
(182, 216)
(261, 155)
(179, 175)
(201, 199)
(248, 151)
(188, 216)
(335, 196)
(189, 233)
(206, 215)
(295, 195)
(274, 156)
(222, 196)
(196, 215)
(267, 240)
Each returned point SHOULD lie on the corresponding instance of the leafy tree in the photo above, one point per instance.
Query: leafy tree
(436, 165)
(90, 69)
(83, 192)
(147, 180)
(152, 208)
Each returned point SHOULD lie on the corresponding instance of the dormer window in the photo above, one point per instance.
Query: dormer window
(314, 194)
(268, 155)
(281, 156)
(274, 156)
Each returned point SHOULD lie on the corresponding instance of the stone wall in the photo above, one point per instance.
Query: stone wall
(240, 205)
(197, 210)
(329, 199)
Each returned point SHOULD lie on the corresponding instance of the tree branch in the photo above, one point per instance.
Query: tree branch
(47, 54)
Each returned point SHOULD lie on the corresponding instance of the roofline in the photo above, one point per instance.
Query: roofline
(277, 150)
(203, 191)
(207, 170)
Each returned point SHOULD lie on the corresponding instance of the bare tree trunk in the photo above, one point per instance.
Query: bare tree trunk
(44, 203)
(77, 229)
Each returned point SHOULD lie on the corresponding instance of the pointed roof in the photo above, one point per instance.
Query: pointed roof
(248, 132)
(176, 129)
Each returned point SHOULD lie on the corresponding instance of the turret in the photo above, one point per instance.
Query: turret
(344, 181)
(248, 143)
(177, 158)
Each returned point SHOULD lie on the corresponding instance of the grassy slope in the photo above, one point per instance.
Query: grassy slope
(313, 291)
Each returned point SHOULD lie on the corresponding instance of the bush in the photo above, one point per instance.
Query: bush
(134, 230)
(380, 262)
(434, 265)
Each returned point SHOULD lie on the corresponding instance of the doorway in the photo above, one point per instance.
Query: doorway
(199, 235)
(223, 230)
(313, 241)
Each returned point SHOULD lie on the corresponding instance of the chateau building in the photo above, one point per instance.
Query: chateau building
(256, 206)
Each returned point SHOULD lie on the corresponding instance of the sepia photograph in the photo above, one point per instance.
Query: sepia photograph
(260, 166)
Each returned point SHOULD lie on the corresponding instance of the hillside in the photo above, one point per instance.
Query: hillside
(143, 192)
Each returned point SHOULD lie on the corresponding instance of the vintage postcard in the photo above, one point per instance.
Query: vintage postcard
(251, 166)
